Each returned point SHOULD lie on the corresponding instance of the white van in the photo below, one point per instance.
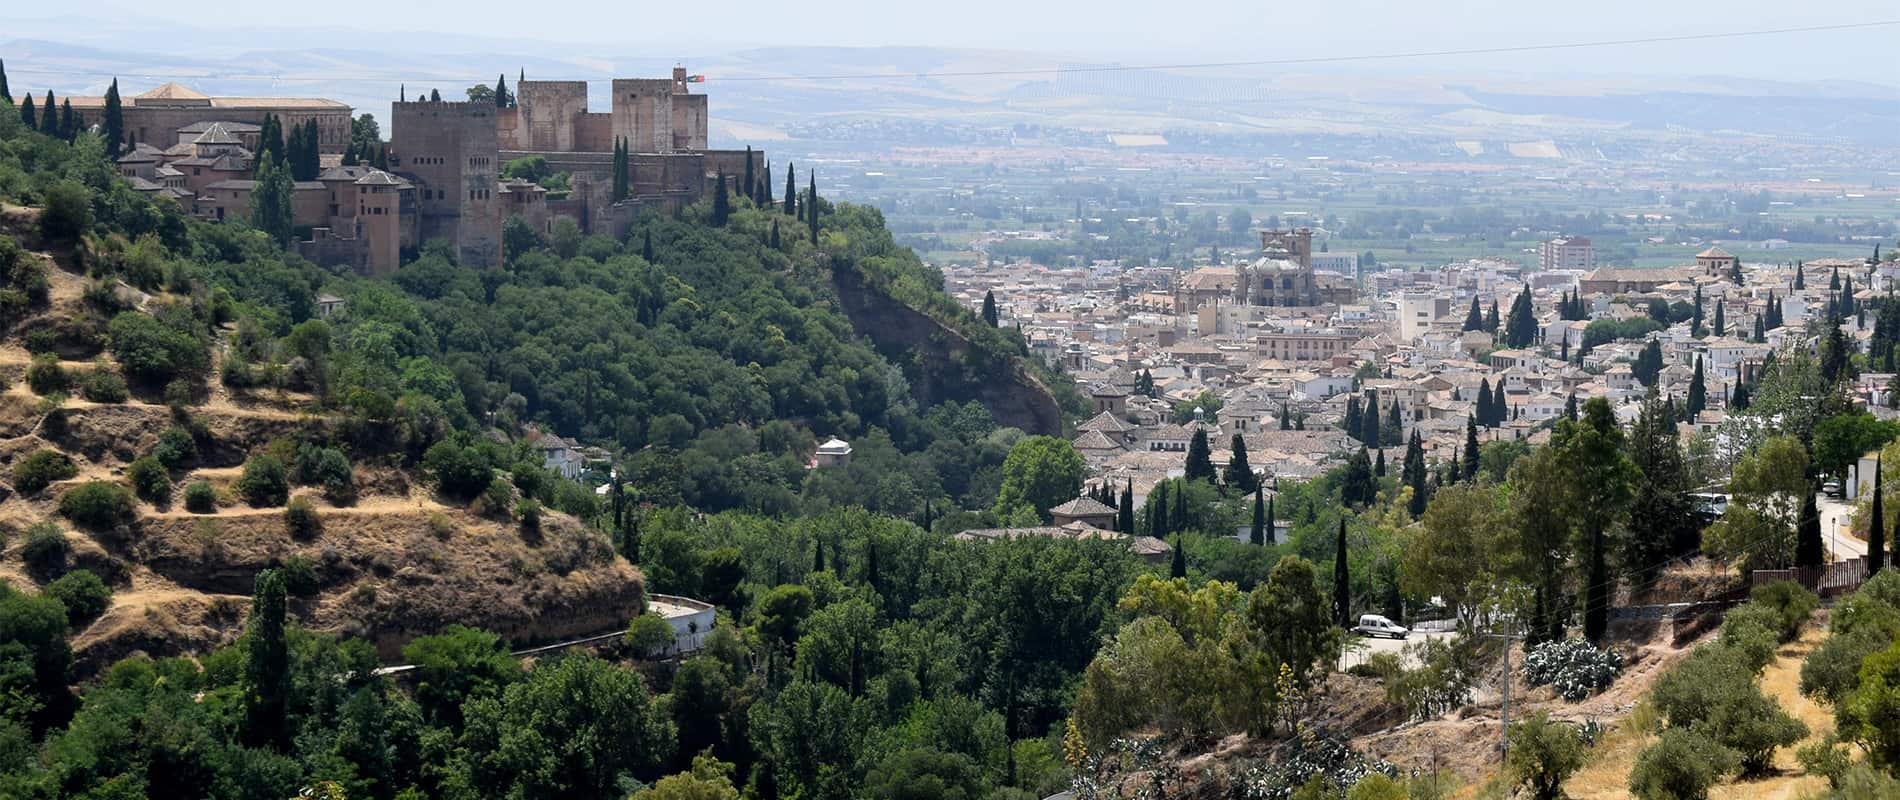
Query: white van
(1375, 625)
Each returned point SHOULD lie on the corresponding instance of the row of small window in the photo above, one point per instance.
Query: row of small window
(478, 194)
(373, 212)
(425, 161)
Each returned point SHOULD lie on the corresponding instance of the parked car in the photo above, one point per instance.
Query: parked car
(1832, 488)
(1375, 625)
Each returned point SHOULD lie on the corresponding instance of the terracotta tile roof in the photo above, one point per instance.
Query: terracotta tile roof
(1082, 507)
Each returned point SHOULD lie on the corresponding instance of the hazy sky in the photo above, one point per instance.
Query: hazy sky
(1125, 30)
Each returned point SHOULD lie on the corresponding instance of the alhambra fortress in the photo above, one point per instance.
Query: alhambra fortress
(443, 177)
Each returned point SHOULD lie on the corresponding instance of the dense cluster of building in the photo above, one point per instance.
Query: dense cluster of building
(444, 163)
(1285, 353)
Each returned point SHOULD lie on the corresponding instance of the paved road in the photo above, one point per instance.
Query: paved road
(1356, 655)
(1836, 528)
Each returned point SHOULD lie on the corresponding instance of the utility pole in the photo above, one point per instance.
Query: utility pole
(1504, 681)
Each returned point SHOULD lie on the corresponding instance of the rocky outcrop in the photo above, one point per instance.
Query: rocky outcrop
(941, 363)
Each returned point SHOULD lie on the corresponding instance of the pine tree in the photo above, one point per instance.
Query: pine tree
(112, 125)
(1200, 458)
(1178, 568)
(989, 308)
(721, 204)
(1808, 550)
(1342, 580)
(791, 191)
(1877, 528)
(1698, 391)
(266, 683)
(1474, 319)
(1239, 474)
(1471, 449)
(26, 114)
(748, 189)
(1125, 516)
(1258, 534)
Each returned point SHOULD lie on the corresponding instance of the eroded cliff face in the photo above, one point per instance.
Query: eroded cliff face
(943, 365)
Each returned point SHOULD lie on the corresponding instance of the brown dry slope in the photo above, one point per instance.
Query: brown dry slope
(394, 564)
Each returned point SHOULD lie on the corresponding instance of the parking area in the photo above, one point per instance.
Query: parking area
(1360, 648)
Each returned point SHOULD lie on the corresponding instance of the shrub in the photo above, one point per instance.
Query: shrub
(150, 480)
(529, 512)
(176, 448)
(650, 635)
(40, 468)
(1750, 631)
(45, 550)
(460, 472)
(1574, 666)
(153, 352)
(1790, 603)
(1441, 682)
(1867, 715)
(329, 468)
(201, 498)
(1681, 766)
(103, 386)
(1377, 786)
(45, 376)
(1543, 753)
(66, 211)
(497, 499)
(98, 505)
(300, 518)
(82, 593)
(300, 575)
(1833, 669)
(235, 374)
(264, 482)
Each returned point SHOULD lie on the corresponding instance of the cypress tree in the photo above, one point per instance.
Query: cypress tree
(1342, 580)
(748, 189)
(811, 213)
(1125, 515)
(1500, 406)
(501, 91)
(1695, 318)
(1698, 391)
(435, 95)
(1178, 519)
(1808, 549)
(1800, 277)
(1200, 458)
(721, 204)
(1239, 474)
(1759, 336)
(113, 123)
(1414, 474)
(271, 210)
(68, 121)
(1483, 411)
(1158, 511)
(1258, 534)
(775, 244)
(1273, 532)
(646, 246)
(1721, 324)
(1474, 319)
(765, 187)
(989, 308)
(791, 190)
(1352, 421)
(1378, 464)
(6, 95)
(817, 555)
(1394, 428)
(1491, 319)
(26, 114)
(1877, 528)
(1471, 448)
(1369, 419)
(1286, 418)
(1570, 408)
(267, 666)
(49, 115)
(1522, 327)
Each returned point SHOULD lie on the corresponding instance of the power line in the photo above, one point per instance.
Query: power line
(385, 76)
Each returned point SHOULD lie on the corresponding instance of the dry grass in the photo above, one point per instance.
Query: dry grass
(1606, 777)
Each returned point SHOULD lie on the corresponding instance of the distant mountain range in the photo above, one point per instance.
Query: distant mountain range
(754, 99)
